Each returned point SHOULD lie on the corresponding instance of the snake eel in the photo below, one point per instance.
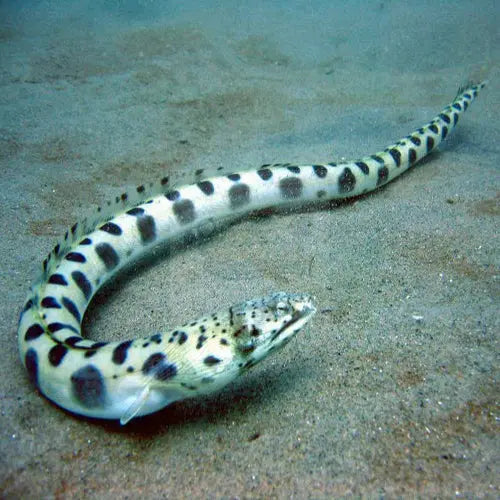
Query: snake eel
(126, 379)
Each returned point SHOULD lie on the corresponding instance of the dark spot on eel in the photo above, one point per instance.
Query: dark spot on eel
(206, 187)
(120, 352)
(58, 279)
(320, 171)
(211, 361)
(71, 308)
(76, 257)
(184, 211)
(291, 187)
(382, 175)
(83, 283)
(31, 362)
(111, 228)
(264, 173)
(33, 332)
(57, 353)
(147, 228)
(108, 255)
(88, 387)
(346, 181)
(157, 366)
(239, 195)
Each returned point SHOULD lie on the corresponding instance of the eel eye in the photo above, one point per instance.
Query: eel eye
(282, 306)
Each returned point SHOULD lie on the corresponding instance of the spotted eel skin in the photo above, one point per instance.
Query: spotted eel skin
(126, 379)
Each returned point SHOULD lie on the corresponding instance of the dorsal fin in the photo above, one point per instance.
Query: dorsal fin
(121, 203)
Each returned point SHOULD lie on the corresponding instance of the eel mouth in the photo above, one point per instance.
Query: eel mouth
(302, 314)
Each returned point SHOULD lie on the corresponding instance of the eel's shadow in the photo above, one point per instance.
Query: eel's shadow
(262, 388)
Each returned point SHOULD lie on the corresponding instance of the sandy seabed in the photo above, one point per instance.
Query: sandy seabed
(393, 388)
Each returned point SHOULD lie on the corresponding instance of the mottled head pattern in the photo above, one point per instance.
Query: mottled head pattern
(209, 353)
(267, 324)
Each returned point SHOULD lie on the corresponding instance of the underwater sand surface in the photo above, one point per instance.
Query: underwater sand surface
(393, 387)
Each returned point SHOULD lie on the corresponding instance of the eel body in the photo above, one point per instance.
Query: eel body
(133, 377)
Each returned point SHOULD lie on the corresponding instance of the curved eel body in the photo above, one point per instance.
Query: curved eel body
(122, 380)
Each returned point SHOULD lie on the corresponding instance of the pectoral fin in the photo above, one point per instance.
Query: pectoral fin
(135, 407)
